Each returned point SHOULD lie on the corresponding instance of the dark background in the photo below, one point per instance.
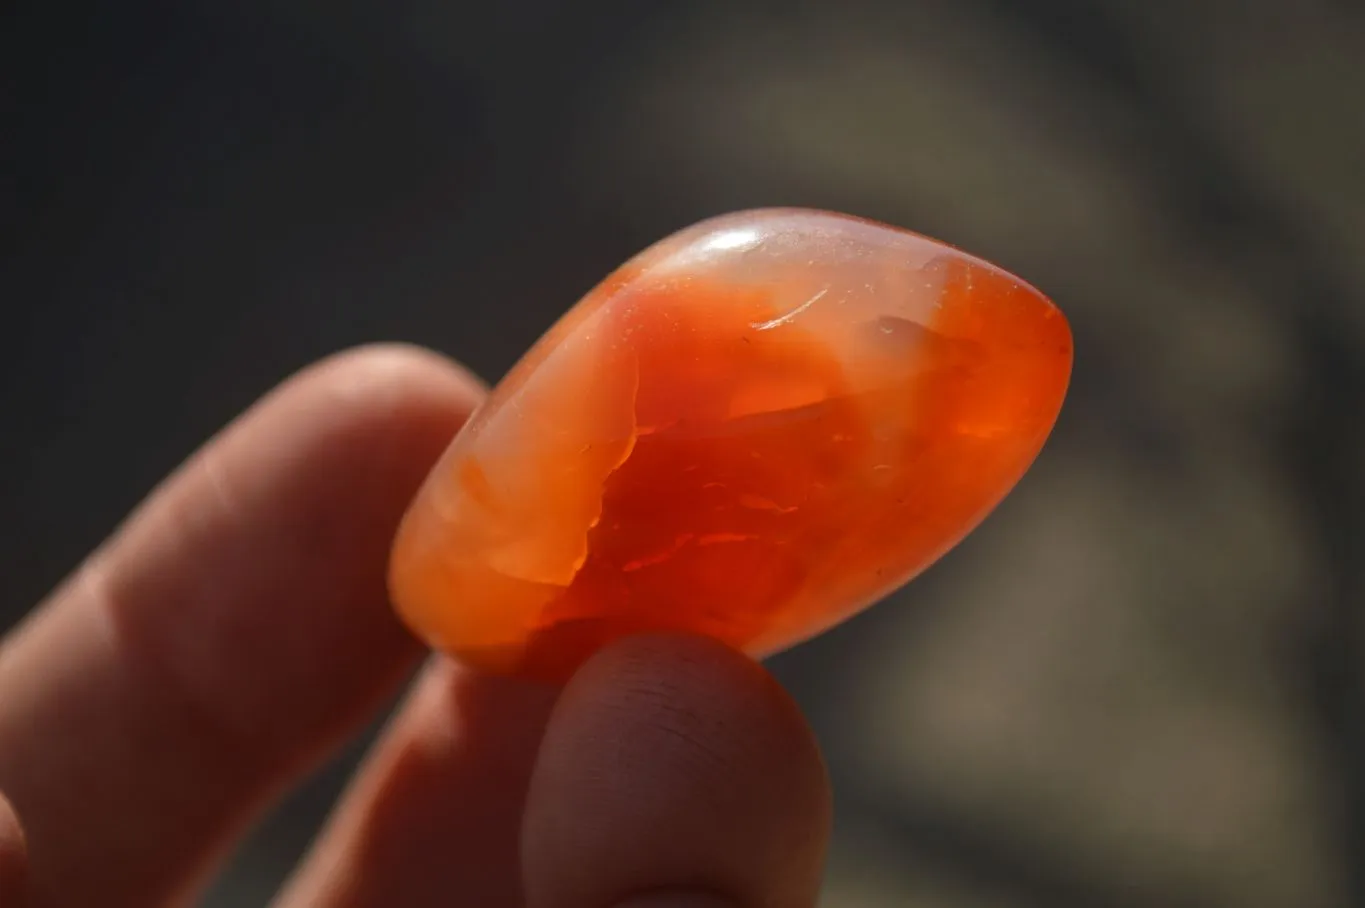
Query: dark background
(1142, 683)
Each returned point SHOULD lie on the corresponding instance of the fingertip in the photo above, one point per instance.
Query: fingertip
(394, 401)
(13, 858)
(674, 764)
(288, 518)
(394, 371)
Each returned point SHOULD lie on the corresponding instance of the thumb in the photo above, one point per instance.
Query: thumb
(675, 773)
(13, 859)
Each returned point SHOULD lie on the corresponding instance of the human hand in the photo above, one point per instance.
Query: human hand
(235, 632)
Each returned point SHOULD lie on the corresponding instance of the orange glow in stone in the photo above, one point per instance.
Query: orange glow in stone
(752, 430)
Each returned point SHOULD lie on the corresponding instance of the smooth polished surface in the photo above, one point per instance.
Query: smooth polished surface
(751, 430)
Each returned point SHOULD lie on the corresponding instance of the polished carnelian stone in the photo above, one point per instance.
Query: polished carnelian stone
(751, 430)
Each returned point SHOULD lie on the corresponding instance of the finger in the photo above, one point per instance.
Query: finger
(13, 859)
(226, 637)
(672, 772)
(434, 816)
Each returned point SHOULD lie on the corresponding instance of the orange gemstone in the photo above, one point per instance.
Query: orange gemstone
(752, 430)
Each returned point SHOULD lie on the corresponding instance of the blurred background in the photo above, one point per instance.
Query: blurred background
(1141, 683)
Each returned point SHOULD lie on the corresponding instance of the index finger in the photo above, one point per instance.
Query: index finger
(231, 633)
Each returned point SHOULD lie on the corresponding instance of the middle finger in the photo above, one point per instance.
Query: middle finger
(435, 814)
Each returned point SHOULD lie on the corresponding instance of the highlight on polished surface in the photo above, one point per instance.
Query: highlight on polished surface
(752, 430)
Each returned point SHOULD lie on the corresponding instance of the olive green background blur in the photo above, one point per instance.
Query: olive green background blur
(1141, 683)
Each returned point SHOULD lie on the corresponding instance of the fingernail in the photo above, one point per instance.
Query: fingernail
(677, 898)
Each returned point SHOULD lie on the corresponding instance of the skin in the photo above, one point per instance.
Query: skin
(235, 632)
